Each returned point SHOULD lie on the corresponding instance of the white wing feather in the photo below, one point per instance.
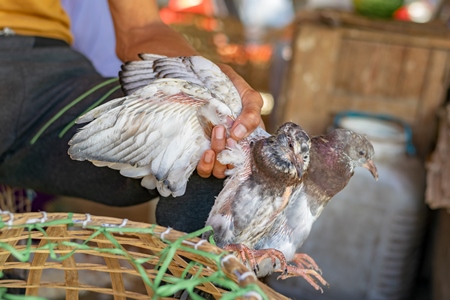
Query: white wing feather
(159, 131)
(195, 69)
(155, 133)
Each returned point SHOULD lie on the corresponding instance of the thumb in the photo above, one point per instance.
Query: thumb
(252, 102)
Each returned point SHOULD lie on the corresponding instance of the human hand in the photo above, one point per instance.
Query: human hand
(246, 122)
(139, 29)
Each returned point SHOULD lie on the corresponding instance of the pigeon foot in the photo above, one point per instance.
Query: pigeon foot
(255, 257)
(303, 260)
(310, 275)
(273, 254)
(245, 254)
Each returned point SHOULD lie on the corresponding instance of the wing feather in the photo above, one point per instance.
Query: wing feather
(153, 134)
(159, 131)
(195, 69)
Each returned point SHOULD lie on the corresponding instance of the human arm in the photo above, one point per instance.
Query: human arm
(139, 29)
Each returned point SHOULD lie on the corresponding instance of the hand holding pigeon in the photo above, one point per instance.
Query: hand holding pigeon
(279, 184)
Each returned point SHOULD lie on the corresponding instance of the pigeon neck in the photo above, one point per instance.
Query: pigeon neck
(269, 167)
(328, 172)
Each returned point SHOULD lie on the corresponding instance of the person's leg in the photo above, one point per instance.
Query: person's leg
(39, 83)
(189, 213)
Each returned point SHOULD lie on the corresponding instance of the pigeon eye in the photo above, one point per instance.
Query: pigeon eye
(252, 143)
(290, 145)
(362, 152)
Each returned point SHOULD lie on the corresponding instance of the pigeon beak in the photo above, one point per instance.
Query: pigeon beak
(369, 165)
(300, 171)
(299, 163)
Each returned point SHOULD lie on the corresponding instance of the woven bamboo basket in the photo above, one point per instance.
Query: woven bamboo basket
(15, 199)
(72, 254)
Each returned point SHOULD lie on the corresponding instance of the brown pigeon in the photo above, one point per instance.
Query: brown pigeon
(266, 173)
(276, 217)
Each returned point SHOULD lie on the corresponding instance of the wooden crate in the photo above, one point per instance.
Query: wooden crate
(441, 257)
(346, 62)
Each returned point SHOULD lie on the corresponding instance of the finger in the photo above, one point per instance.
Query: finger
(218, 139)
(218, 143)
(252, 102)
(231, 144)
(249, 119)
(206, 163)
(219, 170)
(209, 165)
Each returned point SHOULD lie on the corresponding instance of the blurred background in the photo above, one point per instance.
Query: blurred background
(380, 67)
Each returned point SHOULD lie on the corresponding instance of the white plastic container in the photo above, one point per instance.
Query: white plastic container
(368, 239)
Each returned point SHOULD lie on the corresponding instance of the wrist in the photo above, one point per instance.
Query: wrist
(156, 38)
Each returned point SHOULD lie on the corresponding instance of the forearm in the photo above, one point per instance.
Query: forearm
(139, 29)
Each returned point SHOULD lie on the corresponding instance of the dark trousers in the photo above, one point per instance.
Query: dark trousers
(37, 83)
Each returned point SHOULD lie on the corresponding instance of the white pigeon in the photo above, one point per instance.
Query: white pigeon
(159, 131)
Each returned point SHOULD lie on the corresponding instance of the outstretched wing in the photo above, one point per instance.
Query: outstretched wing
(195, 69)
(157, 133)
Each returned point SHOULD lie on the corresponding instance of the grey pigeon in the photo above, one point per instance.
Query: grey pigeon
(333, 159)
(266, 173)
(158, 132)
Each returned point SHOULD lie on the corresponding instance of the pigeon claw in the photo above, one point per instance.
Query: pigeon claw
(254, 257)
(273, 254)
(310, 275)
(245, 253)
(307, 268)
(303, 260)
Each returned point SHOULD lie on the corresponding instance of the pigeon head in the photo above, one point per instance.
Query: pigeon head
(284, 155)
(293, 137)
(357, 149)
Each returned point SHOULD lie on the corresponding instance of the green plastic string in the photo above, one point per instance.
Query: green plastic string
(97, 103)
(189, 280)
(68, 106)
(5, 296)
(190, 266)
(172, 249)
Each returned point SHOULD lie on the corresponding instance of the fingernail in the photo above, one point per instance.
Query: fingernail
(219, 132)
(231, 143)
(208, 157)
(240, 131)
(230, 122)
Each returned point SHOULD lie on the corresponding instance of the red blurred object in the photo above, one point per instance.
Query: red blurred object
(184, 11)
(202, 7)
(169, 17)
(259, 53)
(402, 14)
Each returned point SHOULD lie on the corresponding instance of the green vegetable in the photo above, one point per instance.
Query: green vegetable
(377, 8)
